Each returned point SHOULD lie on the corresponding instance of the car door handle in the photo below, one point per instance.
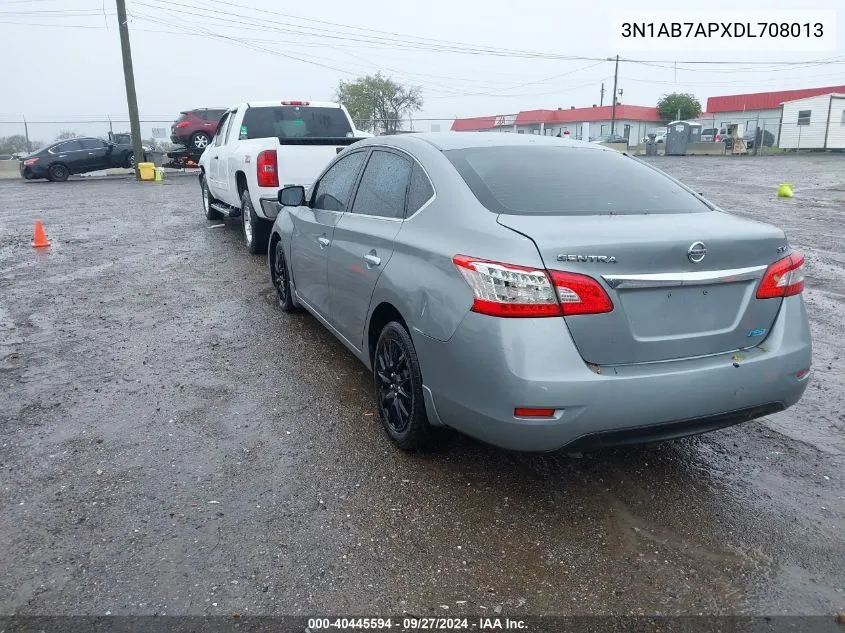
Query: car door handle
(372, 259)
(90, 153)
(216, 157)
(324, 241)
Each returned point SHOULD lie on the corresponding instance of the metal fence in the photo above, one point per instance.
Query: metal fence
(155, 131)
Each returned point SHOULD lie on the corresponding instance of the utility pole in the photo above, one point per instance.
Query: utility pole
(26, 133)
(129, 78)
(601, 100)
(615, 79)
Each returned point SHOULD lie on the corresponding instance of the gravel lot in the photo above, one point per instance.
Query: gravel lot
(170, 442)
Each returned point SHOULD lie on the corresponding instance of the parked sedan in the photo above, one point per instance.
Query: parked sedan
(494, 284)
(609, 138)
(75, 156)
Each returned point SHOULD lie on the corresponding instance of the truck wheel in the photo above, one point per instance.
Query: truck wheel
(207, 199)
(129, 161)
(256, 231)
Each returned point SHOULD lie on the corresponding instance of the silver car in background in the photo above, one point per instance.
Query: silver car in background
(537, 293)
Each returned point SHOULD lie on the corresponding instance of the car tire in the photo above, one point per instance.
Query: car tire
(58, 172)
(256, 230)
(207, 200)
(280, 274)
(199, 140)
(398, 387)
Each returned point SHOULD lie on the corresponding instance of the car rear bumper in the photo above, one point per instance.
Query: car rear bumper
(491, 366)
(33, 171)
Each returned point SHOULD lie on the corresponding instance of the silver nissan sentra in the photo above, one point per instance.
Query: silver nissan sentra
(537, 293)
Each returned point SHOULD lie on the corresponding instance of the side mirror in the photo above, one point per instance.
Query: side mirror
(292, 196)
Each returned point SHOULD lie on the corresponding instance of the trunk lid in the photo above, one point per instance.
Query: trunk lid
(666, 306)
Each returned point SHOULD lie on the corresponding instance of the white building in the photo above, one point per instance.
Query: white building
(814, 123)
(633, 122)
(760, 109)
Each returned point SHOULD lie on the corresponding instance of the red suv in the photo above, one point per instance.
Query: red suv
(195, 128)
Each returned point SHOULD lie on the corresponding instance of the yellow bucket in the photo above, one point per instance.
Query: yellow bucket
(148, 171)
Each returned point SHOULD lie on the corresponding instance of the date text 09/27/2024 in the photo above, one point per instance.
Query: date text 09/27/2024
(416, 624)
(715, 30)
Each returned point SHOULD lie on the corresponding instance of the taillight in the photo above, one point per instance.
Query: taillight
(268, 176)
(784, 278)
(296, 103)
(506, 290)
(580, 294)
(182, 124)
(30, 161)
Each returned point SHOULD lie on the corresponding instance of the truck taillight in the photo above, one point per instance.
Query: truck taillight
(268, 175)
(506, 290)
(784, 278)
(296, 103)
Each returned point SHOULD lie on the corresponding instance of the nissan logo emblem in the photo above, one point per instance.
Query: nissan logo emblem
(696, 252)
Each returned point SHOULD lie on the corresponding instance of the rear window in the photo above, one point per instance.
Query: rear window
(213, 115)
(548, 180)
(295, 122)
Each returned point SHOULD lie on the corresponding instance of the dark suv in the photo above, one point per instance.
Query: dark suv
(195, 128)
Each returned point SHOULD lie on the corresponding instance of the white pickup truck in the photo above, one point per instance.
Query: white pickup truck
(260, 147)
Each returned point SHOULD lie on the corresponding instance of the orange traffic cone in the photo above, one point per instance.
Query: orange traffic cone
(40, 240)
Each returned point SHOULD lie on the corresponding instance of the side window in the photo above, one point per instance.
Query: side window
(804, 117)
(384, 186)
(219, 136)
(420, 190)
(333, 191)
(68, 146)
(229, 121)
(92, 143)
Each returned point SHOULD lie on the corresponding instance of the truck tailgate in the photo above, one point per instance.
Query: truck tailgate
(301, 160)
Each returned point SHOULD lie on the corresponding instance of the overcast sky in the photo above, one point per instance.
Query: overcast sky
(61, 58)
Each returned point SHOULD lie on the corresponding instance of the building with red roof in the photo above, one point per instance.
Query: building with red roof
(752, 110)
(632, 122)
(757, 109)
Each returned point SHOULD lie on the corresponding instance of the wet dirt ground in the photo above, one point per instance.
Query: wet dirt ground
(170, 442)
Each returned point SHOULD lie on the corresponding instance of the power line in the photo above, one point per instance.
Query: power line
(409, 42)
(446, 91)
(717, 84)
